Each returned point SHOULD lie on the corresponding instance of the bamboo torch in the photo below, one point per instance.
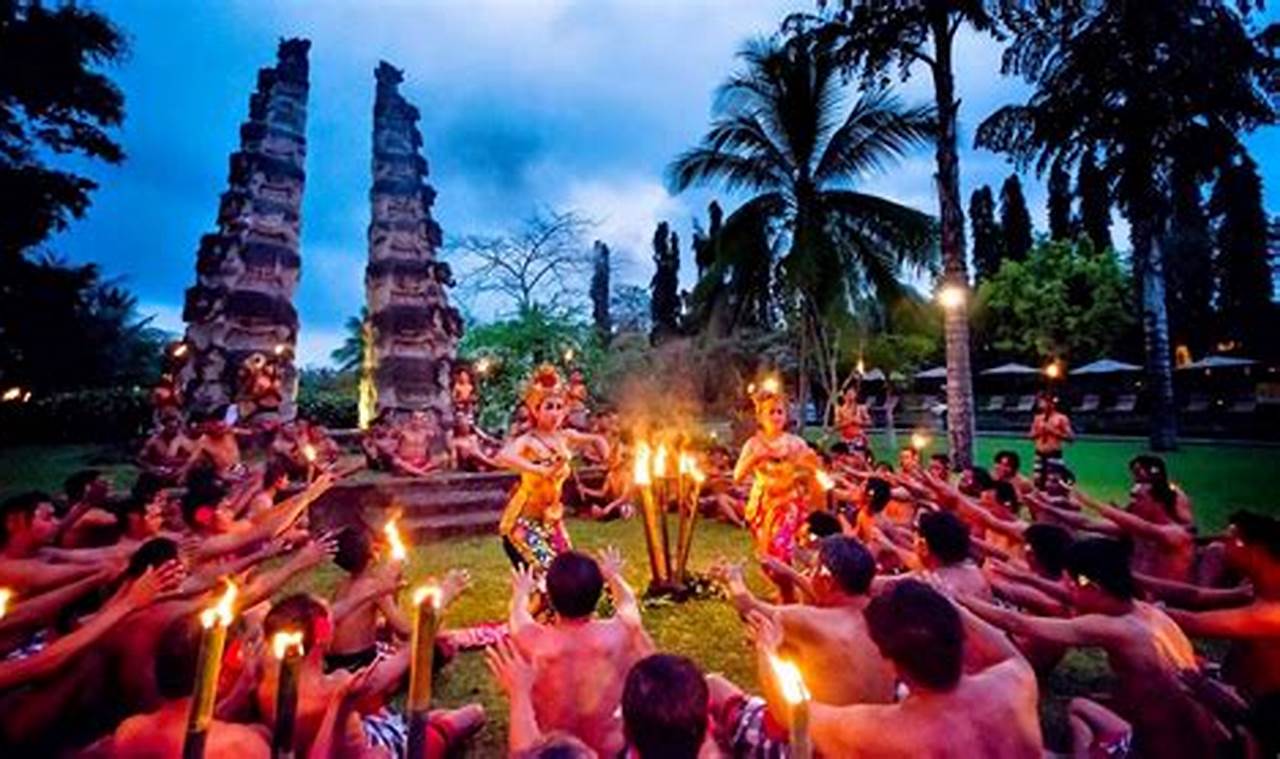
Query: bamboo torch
(794, 692)
(688, 513)
(288, 648)
(664, 494)
(426, 618)
(215, 620)
(309, 452)
(643, 481)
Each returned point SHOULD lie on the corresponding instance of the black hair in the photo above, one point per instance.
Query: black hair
(849, 562)
(1012, 457)
(300, 611)
(1164, 495)
(664, 707)
(175, 657)
(202, 491)
(1105, 562)
(22, 503)
(274, 472)
(1061, 470)
(1258, 530)
(147, 486)
(945, 535)
(840, 448)
(981, 478)
(152, 554)
(920, 631)
(1049, 543)
(76, 485)
(1006, 494)
(878, 494)
(941, 458)
(822, 524)
(574, 584)
(355, 550)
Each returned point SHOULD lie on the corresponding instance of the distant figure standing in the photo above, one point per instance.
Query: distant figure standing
(1050, 431)
(852, 420)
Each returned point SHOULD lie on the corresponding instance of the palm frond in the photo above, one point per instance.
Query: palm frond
(876, 134)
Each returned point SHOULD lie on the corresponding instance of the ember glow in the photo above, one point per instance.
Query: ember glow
(398, 550)
(285, 641)
(427, 592)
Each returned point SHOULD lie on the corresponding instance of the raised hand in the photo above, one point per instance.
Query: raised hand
(322, 548)
(727, 572)
(611, 562)
(765, 631)
(510, 668)
(454, 584)
(152, 583)
(523, 582)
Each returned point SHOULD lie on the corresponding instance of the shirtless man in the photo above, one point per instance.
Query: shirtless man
(274, 479)
(1163, 547)
(852, 418)
(991, 711)
(1050, 431)
(1008, 468)
(216, 446)
(828, 639)
(942, 556)
(27, 524)
(368, 593)
(1253, 661)
(580, 661)
(1145, 648)
(317, 689)
(165, 452)
(412, 454)
(161, 733)
(467, 447)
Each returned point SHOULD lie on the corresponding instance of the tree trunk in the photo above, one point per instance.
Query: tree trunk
(1149, 258)
(960, 417)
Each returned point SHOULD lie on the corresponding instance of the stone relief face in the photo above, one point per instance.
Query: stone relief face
(288, 193)
(282, 148)
(273, 228)
(397, 208)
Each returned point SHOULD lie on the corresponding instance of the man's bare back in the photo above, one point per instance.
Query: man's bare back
(834, 641)
(161, 734)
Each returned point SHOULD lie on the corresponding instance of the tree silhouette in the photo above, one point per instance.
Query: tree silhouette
(664, 302)
(1015, 220)
(1095, 203)
(987, 240)
(1059, 204)
(600, 293)
(1244, 265)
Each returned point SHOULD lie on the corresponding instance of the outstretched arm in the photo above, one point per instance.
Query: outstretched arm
(1194, 597)
(624, 599)
(34, 613)
(512, 457)
(276, 521)
(520, 621)
(1087, 630)
(730, 574)
(1259, 620)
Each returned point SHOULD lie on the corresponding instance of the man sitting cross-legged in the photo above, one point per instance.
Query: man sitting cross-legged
(828, 638)
(580, 660)
(988, 712)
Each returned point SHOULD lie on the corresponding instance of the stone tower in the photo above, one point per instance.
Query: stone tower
(247, 271)
(412, 332)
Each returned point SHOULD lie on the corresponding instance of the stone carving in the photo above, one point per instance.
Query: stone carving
(240, 310)
(413, 330)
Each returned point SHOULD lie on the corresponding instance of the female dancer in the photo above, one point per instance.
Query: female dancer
(532, 525)
(782, 467)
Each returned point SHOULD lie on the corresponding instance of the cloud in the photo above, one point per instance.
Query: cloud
(627, 211)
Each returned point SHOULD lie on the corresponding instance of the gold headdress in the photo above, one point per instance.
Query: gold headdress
(766, 389)
(544, 383)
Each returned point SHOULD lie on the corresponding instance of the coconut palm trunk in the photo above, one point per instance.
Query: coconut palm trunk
(960, 417)
(1155, 332)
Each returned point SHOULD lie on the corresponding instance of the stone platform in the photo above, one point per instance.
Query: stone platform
(440, 505)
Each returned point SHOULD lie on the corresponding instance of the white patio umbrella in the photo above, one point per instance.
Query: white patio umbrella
(937, 372)
(1010, 368)
(1106, 366)
(1219, 362)
(875, 375)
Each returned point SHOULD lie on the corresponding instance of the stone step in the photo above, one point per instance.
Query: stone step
(438, 527)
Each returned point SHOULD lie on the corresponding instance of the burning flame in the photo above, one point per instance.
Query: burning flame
(282, 642)
(1053, 371)
(771, 385)
(789, 680)
(12, 394)
(919, 441)
(568, 356)
(180, 350)
(862, 368)
(951, 297)
(280, 349)
(660, 462)
(6, 595)
(221, 612)
(398, 552)
(687, 466)
(425, 592)
(644, 455)
(825, 481)
(309, 451)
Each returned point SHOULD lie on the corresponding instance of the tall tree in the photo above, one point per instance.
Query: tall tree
(664, 302)
(1245, 299)
(350, 354)
(1095, 202)
(600, 293)
(706, 244)
(987, 239)
(1059, 204)
(54, 100)
(875, 38)
(1104, 80)
(1015, 220)
(785, 132)
(1189, 263)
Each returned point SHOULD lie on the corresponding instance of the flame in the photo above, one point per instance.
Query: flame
(221, 612)
(180, 350)
(398, 552)
(951, 297)
(825, 481)
(568, 356)
(862, 367)
(771, 385)
(279, 349)
(919, 441)
(1053, 370)
(790, 680)
(696, 474)
(12, 394)
(641, 467)
(6, 595)
(309, 451)
(660, 462)
(425, 592)
(282, 642)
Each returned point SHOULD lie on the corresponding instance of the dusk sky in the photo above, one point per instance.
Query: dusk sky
(525, 103)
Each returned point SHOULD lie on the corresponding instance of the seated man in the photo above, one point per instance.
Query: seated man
(382, 729)
(166, 451)
(990, 711)
(162, 732)
(580, 661)
(275, 478)
(829, 639)
(1146, 650)
(216, 447)
(1008, 468)
(467, 447)
(88, 520)
(364, 597)
(413, 440)
(28, 524)
(942, 556)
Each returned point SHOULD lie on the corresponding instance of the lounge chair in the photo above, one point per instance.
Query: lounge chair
(994, 403)
(1245, 405)
(1025, 403)
(1089, 403)
(1197, 404)
(1125, 404)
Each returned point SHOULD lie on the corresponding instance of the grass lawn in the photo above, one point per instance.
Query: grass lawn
(1219, 479)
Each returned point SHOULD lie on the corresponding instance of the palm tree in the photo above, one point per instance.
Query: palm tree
(784, 132)
(350, 355)
(1106, 83)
